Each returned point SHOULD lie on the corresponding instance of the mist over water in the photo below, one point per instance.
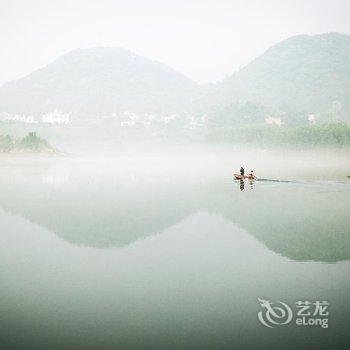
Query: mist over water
(167, 250)
(124, 220)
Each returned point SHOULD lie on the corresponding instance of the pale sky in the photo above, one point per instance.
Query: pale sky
(204, 39)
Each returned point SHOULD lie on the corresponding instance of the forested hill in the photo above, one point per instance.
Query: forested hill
(304, 72)
(100, 81)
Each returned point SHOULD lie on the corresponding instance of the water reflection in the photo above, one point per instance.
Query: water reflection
(195, 284)
(192, 253)
(112, 206)
(242, 185)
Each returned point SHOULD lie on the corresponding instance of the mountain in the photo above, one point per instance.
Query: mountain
(310, 73)
(98, 81)
(301, 74)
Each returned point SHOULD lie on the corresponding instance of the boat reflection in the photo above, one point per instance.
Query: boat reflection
(103, 208)
(242, 185)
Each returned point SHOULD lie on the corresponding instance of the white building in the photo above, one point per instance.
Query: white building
(56, 117)
(194, 122)
(28, 119)
(273, 121)
(130, 115)
(128, 123)
(167, 119)
(311, 118)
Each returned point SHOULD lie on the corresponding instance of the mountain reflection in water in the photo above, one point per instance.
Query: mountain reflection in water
(113, 205)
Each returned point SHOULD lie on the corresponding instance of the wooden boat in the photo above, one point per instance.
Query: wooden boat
(240, 177)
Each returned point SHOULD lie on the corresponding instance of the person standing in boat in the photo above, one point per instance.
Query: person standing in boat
(242, 171)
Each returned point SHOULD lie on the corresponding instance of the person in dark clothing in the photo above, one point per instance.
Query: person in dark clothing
(242, 171)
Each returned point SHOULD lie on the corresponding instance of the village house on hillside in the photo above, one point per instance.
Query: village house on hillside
(19, 118)
(273, 121)
(56, 117)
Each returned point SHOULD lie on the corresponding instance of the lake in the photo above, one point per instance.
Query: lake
(172, 253)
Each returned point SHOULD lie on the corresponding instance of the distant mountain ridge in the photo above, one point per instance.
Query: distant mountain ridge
(99, 81)
(303, 73)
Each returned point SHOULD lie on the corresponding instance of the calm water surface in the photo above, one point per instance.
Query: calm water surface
(122, 253)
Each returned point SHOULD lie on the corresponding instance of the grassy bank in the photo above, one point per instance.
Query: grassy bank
(30, 143)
